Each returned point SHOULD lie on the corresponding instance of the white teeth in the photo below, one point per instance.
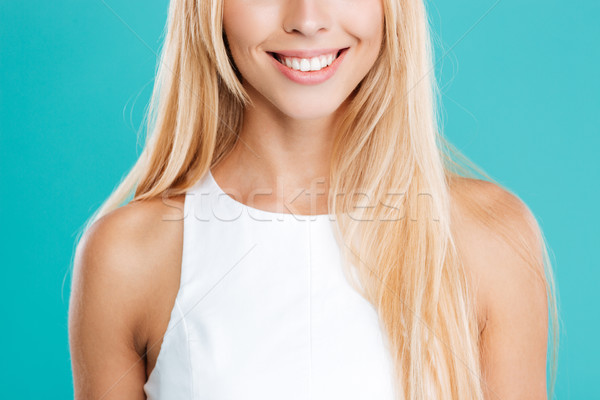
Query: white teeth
(323, 60)
(296, 63)
(308, 64)
(304, 64)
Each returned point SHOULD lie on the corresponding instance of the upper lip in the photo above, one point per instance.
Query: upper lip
(307, 53)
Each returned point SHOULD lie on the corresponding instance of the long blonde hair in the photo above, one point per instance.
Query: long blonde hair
(388, 142)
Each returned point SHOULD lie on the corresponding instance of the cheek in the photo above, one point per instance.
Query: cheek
(246, 24)
(236, 26)
(363, 19)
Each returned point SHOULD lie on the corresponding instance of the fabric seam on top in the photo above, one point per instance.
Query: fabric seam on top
(187, 344)
(189, 206)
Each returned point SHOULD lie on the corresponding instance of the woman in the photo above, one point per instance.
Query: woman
(431, 284)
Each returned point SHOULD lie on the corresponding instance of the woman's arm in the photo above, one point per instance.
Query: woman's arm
(514, 341)
(104, 315)
(514, 338)
(125, 269)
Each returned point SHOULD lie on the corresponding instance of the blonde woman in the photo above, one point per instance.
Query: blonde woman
(300, 229)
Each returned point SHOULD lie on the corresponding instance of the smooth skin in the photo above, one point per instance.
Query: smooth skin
(127, 266)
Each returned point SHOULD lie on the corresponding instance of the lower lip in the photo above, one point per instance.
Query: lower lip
(310, 77)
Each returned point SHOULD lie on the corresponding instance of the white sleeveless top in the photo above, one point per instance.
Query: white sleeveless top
(264, 311)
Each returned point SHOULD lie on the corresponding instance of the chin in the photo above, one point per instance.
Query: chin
(312, 113)
(308, 109)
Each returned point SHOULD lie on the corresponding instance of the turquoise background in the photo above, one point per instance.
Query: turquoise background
(520, 82)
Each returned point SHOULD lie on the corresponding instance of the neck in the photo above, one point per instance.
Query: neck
(287, 157)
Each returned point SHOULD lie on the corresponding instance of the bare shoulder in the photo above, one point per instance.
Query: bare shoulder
(129, 234)
(474, 198)
(495, 231)
(134, 247)
(499, 241)
(125, 274)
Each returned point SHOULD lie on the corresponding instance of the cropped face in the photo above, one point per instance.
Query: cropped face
(305, 57)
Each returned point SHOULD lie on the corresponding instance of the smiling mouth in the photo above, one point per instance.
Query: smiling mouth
(307, 64)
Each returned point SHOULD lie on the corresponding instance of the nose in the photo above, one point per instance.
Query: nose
(306, 17)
